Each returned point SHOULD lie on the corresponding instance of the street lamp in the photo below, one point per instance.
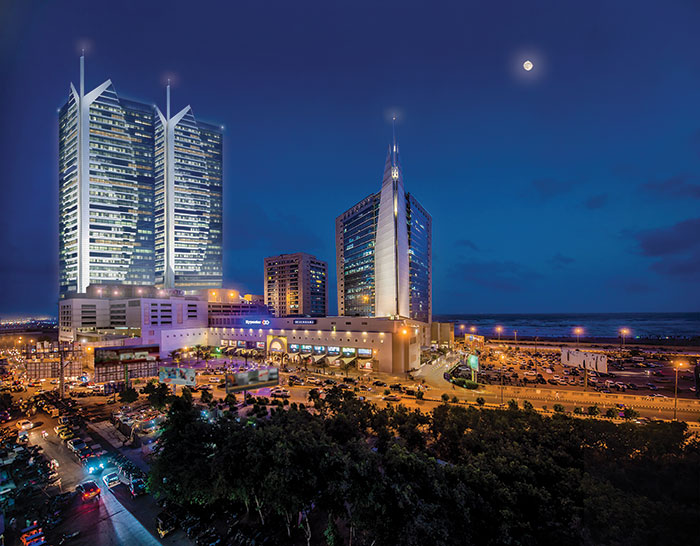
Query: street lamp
(472, 329)
(675, 397)
(503, 363)
(578, 331)
(499, 329)
(623, 333)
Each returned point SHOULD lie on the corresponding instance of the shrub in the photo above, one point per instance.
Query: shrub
(419, 395)
(512, 405)
(445, 397)
(593, 410)
(480, 401)
(611, 413)
(558, 408)
(527, 406)
(387, 392)
(455, 400)
(629, 413)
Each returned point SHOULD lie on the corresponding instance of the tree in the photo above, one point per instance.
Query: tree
(230, 400)
(175, 355)
(455, 400)
(207, 355)
(512, 405)
(445, 397)
(480, 401)
(158, 394)
(611, 413)
(593, 410)
(419, 395)
(198, 352)
(527, 406)
(128, 396)
(629, 413)
(558, 408)
(206, 397)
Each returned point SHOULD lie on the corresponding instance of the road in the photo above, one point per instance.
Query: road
(115, 519)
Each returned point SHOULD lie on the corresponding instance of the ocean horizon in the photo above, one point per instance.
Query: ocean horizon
(595, 325)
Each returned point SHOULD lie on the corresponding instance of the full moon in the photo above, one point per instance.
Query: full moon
(527, 65)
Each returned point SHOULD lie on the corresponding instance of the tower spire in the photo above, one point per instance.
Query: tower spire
(167, 100)
(394, 146)
(82, 73)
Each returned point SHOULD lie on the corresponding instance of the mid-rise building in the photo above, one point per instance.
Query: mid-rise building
(140, 194)
(384, 252)
(296, 285)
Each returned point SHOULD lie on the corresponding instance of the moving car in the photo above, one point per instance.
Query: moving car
(92, 463)
(111, 479)
(391, 398)
(24, 424)
(88, 490)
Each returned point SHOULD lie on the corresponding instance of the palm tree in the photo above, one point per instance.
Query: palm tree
(206, 356)
(198, 352)
(175, 356)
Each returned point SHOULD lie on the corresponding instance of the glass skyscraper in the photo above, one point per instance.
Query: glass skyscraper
(188, 201)
(108, 178)
(384, 252)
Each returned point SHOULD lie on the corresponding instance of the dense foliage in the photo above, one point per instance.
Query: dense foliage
(350, 471)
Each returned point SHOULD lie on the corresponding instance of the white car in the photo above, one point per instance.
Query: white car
(24, 424)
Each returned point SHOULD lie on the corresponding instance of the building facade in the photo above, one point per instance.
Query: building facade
(123, 168)
(384, 252)
(188, 201)
(296, 285)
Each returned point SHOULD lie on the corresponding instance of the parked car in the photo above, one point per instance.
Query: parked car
(111, 480)
(391, 398)
(76, 444)
(137, 487)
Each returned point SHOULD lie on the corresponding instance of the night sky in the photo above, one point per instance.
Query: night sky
(572, 188)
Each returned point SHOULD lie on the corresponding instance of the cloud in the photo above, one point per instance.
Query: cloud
(679, 238)
(467, 244)
(504, 276)
(546, 188)
(596, 201)
(683, 267)
(559, 261)
(682, 185)
(676, 246)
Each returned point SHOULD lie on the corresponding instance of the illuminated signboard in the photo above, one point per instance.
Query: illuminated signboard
(259, 344)
(177, 376)
(293, 347)
(333, 351)
(241, 344)
(349, 351)
(319, 349)
(304, 321)
(364, 353)
(252, 379)
(256, 322)
(473, 362)
(306, 348)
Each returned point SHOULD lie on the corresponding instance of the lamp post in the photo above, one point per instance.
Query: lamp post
(675, 397)
(499, 329)
(503, 358)
(578, 331)
(623, 333)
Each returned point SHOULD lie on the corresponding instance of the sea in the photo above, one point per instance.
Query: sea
(595, 325)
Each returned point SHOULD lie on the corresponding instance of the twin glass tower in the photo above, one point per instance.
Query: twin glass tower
(384, 252)
(140, 194)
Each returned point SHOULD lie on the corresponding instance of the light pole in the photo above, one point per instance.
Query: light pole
(499, 329)
(675, 397)
(578, 331)
(503, 358)
(623, 333)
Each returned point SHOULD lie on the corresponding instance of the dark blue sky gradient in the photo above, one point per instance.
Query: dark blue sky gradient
(574, 189)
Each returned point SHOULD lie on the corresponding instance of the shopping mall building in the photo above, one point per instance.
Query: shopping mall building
(380, 344)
